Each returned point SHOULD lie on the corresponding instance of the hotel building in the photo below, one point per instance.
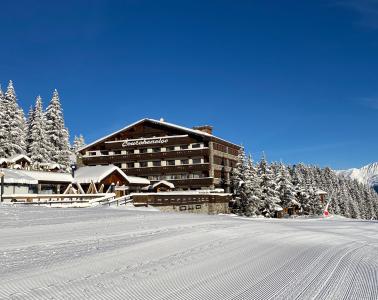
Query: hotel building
(190, 158)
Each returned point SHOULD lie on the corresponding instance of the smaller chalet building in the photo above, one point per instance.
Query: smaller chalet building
(38, 182)
(105, 178)
(19, 161)
(189, 158)
(97, 179)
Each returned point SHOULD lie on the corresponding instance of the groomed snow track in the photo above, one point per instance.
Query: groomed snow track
(110, 253)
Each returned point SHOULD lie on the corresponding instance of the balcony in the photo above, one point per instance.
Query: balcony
(122, 158)
(166, 169)
(192, 182)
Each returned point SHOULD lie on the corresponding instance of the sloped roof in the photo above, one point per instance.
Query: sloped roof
(33, 177)
(48, 176)
(162, 123)
(17, 177)
(321, 192)
(164, 182)
(17, 157)
(96, 174)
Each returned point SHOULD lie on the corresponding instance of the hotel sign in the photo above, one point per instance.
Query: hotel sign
(143, 142)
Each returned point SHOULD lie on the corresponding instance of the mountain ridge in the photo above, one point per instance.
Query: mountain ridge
(367, 174)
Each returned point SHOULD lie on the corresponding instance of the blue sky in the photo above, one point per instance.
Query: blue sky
(296, 79)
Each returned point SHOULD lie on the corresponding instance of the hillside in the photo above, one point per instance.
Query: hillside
(366, 175)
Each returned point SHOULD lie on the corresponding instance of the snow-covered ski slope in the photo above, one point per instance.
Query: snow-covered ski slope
(107, 253)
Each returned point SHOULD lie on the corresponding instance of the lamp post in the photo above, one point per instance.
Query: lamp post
(2, 185)
(73, 169)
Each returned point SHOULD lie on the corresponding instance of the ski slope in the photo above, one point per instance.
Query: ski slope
(108, 253)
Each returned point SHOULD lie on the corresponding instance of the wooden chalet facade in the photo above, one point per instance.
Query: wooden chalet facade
(189, 158)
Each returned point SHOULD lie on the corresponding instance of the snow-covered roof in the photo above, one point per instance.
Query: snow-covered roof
(34, 177)
(17, 177)
(48, 176)
(17, 157)
(96, 174)
(51, 166)
(164, 182)
(162, 123)
(321, 192)
(3, 160)
(137, 180)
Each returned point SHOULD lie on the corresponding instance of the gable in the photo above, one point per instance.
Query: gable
(143, 129)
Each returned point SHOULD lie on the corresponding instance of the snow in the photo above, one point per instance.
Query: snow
(164, 182)
(320, 192)
(17, 177)
(16, 158)
(366, 175)
(48, 176)
(102, 253)
(162, 123)
(96, 174)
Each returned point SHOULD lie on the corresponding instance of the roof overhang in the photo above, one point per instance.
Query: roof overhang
(160, 123)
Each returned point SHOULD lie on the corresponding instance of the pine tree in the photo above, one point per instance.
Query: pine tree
(269, 194)
(29, 122)
(2, 125)
(14, 124)
(286, 188)
(238, 183)
(252, 189)
(57, 133)
(38, 149)
(78, 143)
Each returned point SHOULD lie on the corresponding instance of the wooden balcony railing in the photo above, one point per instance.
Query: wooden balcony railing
(123, 158)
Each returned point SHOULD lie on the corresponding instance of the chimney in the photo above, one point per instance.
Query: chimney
(204, 128)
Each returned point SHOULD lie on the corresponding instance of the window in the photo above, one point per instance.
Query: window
(194, 146)
(195, 175)
(171, 148)
(155, 150)
(143, 164)
(116, 152)
(130, 165)
(93, 153)
(143, 150)
(184, 147)
(171, 162)
(196, 160)
(104, 152)
(118, 165)
(185, 161)
(156, 163)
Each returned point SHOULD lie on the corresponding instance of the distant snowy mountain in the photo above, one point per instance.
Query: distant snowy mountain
(367, 174)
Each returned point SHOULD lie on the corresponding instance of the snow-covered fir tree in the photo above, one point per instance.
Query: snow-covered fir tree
(252, 189)
(14, 124)
(39, 146)
(78, 143)
(269, 193)
(2, 124)
(29, 122)
(285, 188)
(57, 133)
(238, 175)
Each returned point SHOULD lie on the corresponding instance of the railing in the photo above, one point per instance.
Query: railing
(122, 158)
(49, 199)
(202, 181)
(167, 169)
(123, 200)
